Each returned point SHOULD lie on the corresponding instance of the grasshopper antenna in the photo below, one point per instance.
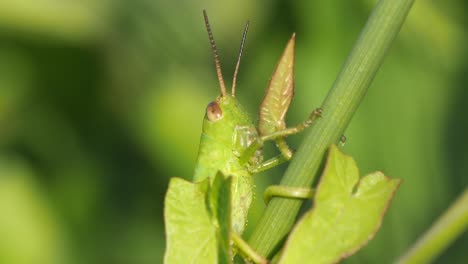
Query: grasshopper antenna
(234, 79)
(215, 54)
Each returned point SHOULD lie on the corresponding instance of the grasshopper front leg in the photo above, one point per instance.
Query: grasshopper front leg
(296, 129)
(279, 137)
(285, 150)
(286, 154)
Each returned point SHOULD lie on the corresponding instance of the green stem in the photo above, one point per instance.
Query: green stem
(448, 227)
(286, 191)
(342, 101)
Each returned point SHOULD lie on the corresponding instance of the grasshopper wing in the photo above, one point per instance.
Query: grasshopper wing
(279, 94)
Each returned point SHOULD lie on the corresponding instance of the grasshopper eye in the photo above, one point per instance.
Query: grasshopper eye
(213, 111)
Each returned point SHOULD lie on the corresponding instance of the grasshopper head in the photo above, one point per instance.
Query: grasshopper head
(224, 107)
(222, 139)
(223, 115)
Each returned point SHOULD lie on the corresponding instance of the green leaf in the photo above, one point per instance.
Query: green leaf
(198, 221)
(346, 214)
(220, 205)
(279, 94)
(190, 233)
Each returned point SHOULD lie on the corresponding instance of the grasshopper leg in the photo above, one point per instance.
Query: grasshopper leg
(273, 162)
(288, 192)
(296, 129)
(279, 136)
(283, 147)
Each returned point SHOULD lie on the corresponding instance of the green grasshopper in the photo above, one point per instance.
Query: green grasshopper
(205, 217)
(231, 144)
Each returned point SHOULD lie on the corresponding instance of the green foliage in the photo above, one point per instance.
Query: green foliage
(198, 221)
(190, 233)
(346, 214)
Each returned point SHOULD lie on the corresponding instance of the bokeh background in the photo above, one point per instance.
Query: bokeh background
(101, 102)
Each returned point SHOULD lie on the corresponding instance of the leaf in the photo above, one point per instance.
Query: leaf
(190, 233)
(220, 206)
(279, 94)
(342, 220)
(198, 221)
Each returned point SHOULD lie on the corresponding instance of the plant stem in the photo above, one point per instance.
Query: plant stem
(338, 108)
(448, 227)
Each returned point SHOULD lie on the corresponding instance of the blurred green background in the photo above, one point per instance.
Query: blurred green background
(101, 102)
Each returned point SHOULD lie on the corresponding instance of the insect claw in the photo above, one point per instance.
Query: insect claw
(314, 115)
(318, 112)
